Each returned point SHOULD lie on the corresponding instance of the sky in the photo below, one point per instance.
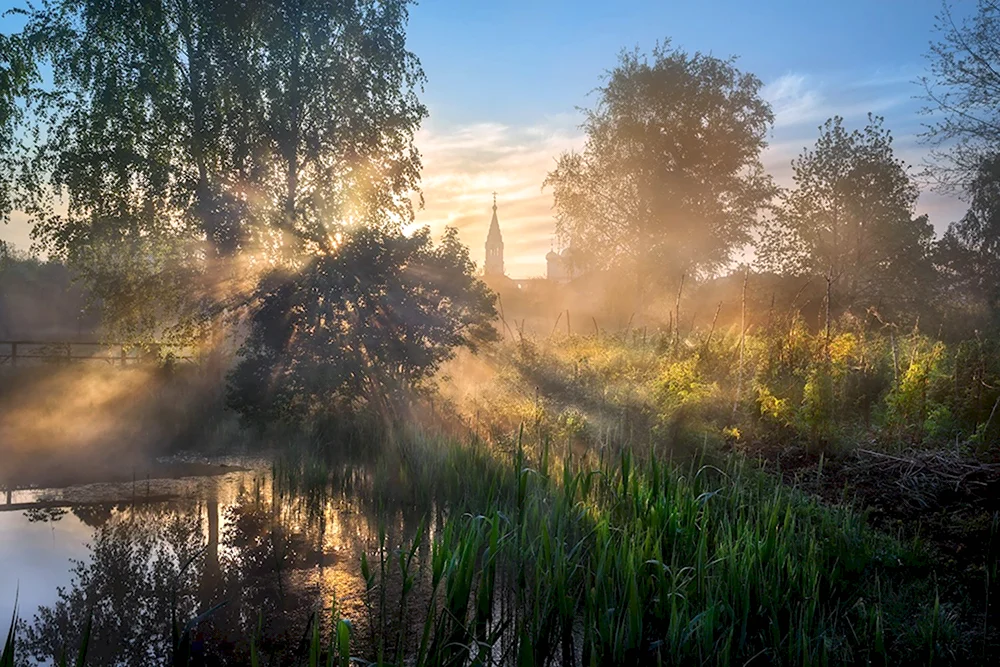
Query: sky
(505, 80)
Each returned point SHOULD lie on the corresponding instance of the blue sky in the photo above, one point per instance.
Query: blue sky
(516, 60)
(505, 78)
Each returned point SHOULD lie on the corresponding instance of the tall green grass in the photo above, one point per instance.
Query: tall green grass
(660, 564)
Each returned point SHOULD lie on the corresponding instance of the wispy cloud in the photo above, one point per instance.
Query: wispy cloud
(463, 166)
(799, 100)
(794, 102)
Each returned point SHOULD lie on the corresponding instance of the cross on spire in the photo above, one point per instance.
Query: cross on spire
(494, 200)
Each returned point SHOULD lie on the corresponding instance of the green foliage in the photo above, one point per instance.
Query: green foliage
(910, 402)
(816, 415)
(360, 325)
(851, 218)
(656, 185)
(681, 384)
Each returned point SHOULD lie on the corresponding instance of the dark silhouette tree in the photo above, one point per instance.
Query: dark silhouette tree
(850, 219)
(962, 93)
(968, 255)
(359, 325)
(670, 179)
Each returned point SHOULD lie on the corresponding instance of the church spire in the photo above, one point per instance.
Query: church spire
(494, 245)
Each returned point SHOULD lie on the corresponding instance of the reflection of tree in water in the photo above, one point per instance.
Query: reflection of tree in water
(95, 516)
(278, 562)
(134, 572)
(44, 514)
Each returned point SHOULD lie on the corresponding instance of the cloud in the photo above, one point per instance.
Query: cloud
(799, 99)
(792, 100)
(463, 166)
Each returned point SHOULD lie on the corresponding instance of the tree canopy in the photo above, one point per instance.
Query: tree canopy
(193, 138)
(670, 179)
(851, 218)
(356, 326)
(962, 92)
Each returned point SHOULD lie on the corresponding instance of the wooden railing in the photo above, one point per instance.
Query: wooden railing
(13, 351)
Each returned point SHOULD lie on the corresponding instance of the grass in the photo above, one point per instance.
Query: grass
(541, 558)
(661, 563)
(597, 502)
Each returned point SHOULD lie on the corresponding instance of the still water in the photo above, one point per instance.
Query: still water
(139, 554)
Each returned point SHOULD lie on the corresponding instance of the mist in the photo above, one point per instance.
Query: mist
(748, 413)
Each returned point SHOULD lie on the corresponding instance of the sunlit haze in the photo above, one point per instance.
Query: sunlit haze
(506, 79)
(534, 332)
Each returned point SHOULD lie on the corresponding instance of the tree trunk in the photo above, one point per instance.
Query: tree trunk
(743, 334)
(677, 315)
(291, 148)
(199, 133)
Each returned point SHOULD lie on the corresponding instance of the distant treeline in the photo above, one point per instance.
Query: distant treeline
(40, 301)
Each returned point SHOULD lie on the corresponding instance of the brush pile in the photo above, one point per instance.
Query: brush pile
(923, 481)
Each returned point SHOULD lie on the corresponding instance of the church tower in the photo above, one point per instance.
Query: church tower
(494, 245)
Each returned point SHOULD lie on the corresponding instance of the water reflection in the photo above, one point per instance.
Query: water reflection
(271, 554)
(133, 576)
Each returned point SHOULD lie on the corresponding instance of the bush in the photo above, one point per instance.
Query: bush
(361, 325)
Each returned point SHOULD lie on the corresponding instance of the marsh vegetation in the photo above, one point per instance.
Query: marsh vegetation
(327, 440)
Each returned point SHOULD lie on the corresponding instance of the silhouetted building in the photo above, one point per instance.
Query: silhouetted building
(561, 267)
(494, 246)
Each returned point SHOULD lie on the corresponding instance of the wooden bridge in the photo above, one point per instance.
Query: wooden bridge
(13, 352)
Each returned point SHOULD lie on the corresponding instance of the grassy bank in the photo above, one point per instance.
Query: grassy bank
(614, 500)
(541, 559)
(861, 382)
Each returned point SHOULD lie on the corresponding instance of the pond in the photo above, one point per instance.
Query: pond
(263, 559)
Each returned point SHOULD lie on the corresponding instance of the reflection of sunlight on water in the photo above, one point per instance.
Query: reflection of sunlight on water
(263, 550)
